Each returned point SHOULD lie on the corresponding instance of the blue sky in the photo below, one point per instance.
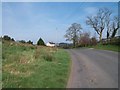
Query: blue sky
(30, 20)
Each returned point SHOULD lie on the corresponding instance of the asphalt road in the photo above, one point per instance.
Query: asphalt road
(93, 68)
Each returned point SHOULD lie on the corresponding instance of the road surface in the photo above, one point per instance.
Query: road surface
(93, 68)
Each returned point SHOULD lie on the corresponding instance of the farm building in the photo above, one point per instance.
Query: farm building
(50, 44)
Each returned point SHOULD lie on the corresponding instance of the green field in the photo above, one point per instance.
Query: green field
(27, 66)
(106, 47)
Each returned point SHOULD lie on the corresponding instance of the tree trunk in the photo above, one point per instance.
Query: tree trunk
(114, 33)
(108, 34)
(74, 43)
(100, 38)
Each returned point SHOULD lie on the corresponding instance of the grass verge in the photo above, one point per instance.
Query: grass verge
(106, 47)
(41, 67)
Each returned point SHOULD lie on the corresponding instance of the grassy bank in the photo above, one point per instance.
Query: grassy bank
(27, 66)
(106, 47)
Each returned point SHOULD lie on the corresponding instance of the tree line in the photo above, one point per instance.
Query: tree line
(99, 22)
(8, 38)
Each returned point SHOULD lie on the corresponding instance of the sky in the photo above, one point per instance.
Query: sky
(48, 20)
(59, 0)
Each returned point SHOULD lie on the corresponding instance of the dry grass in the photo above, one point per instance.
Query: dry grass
(34, 67)
(10, 68)
(37, 54)
(46, 53)
(25, 60)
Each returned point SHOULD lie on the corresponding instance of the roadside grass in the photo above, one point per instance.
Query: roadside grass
(106, 47)
(36, 67)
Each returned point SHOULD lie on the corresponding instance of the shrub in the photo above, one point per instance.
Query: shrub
(48, 57)
(93, 41)
(30, 42)
(22, 41)
(84, 39)
(6, 37)
(115, 41)
(32, 47)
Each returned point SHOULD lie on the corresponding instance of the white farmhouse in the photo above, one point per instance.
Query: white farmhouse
(50, 44)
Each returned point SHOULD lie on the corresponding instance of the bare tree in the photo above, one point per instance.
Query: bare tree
(108, 23)
(115, 26)
(98, 21)
(73, 32)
